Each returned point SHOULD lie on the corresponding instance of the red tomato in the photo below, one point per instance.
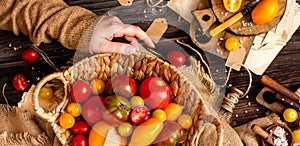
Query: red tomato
(176, 58)
(80, 91)
(155, 92)
(19, 82)
(122, 85)
(91, 110)
(79, 140)
(30, 55)
(139, 114)
(80, 128)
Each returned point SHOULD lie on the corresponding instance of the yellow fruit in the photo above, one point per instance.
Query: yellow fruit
(232, 44)
(290, 115)
(74, 109)
(232, 5)
(296, 135)
(265, 11)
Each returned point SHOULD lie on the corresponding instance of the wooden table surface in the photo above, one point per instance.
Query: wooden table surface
(285, 69)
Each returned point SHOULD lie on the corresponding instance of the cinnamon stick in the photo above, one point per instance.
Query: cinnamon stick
(267, 81)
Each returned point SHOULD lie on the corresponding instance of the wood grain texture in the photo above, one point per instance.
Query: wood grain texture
(285, 69)
(244, 26)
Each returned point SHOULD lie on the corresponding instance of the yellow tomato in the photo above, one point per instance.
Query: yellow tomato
(46, 92)
(98, 86)
(265, 11)
(74, 109)
(146, 133)
(290, 115)
(159, 114)
(232, 44)
(232, 5)
(296, 135)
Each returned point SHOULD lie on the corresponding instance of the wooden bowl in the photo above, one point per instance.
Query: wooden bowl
(289, 136)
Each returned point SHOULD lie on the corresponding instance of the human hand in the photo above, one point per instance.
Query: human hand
(112, 27)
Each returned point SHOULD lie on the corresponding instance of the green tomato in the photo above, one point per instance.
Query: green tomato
(125, 129)
(136, 101)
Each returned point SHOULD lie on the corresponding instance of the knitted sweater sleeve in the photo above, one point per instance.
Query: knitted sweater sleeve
(45, 20)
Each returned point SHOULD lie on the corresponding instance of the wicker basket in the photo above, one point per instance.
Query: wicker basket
(139, 67)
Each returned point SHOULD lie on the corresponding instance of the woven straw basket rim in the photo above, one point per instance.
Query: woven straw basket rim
(138, 66)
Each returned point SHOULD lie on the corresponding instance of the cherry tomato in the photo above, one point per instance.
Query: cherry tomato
(185, 121)
(79, 140)
(80, 128)
(290, 115)
(118, 108)
(155, 92)
(173, 111)
(19, 82)
(46, 93)
(122, 85)
(139, 114)
(171, 135)
(136, 101)
(74, 109)
(80, 91)
(232, 44)
(159, 114)
(91, 109)
(176, 58)
(98, 86)
(296, 135)
(30, 55)
(66, 120)
(145, 133)
(125, 129)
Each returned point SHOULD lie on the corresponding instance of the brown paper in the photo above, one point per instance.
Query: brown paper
(157, 29)
(235, 58)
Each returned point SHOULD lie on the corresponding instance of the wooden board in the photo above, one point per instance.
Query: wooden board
(204, 20)
(245, 26)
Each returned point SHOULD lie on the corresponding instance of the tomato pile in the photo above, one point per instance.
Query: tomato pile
(122, 112)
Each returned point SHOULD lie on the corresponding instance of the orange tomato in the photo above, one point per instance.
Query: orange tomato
(146, 133)
(232, 5)
(173, 111)
(265, 11)
(98, 133)
(185, 121)
(66, 120)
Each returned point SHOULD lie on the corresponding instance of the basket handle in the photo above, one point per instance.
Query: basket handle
(52, 115)
(219, 128)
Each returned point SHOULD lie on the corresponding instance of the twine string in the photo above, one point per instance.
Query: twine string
(3, 93)
(45, 57)
(250, 78)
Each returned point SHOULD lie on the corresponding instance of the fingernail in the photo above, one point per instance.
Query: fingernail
(150, 43)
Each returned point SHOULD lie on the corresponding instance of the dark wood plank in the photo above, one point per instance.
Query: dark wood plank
(285, 68)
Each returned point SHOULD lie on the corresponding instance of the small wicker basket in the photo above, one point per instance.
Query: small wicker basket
(139, 67)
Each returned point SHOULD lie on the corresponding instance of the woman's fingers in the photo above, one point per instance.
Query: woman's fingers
(135, 31)
(118, 47)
